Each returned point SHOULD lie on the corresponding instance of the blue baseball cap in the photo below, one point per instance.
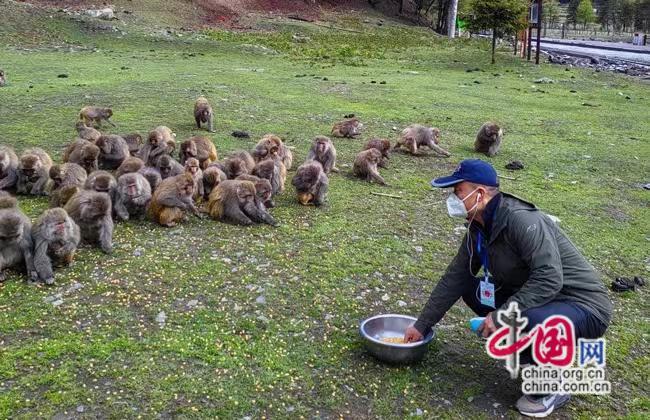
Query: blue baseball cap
(471, 170)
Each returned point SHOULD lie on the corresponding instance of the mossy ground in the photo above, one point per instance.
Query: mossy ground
(220, 352)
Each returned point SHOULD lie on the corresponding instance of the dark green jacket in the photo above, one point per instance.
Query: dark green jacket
(530, 258)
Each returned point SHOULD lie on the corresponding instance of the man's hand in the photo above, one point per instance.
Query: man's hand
(412, 335)
(487, 327)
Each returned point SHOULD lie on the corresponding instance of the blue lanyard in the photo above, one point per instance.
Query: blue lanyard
(482, 252)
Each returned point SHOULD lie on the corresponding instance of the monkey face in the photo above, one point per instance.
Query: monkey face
(165, 171)
(193, 170)
(305, 198)
(11, 230)
(132, 190)
(435, 135)
(108, 113)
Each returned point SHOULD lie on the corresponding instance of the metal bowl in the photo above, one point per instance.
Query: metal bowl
(393, 326)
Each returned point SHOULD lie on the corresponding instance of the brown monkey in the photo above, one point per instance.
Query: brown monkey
(132, 196)
(60, 196)
(56, 237)
(172, 199)
(33, 172)
(263, 189)
(203, 113)
(199, 147)
(274, 171)
(238, 163)
(415, 136)
(112, 151)
(348, 128)
(160, 141)
(134, 140)
(152, 176)
(488, 139)
(8, 168)
(92, 210)
(129, 165)
(365, 166)
(383, 146)
(92, 115)
(311, 183)
(265, 146)
(87, 133)
(15, 237)
(84, 153)
(101, 181)
(212, 176)
(192, 168)
(168, 167)
(3, 80)
(323, 151)
(64, 175)
(236, 201)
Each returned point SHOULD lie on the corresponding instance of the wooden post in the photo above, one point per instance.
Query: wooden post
(539, 29)
(530, 41)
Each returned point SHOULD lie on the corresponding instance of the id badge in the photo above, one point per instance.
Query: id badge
(487, 293)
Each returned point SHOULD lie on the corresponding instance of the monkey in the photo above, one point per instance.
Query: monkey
(160, 141)
(56, 238)
(87, 133)
(129, 165)
(62, 195)
(365, 166)
(383, 146)
(212, 176)
(101, 181)
(198, 147)
(33, 172)
(172, 199)
(238, 163)
(168, 167)
(61, 176)
(132, 196)
(274, 171)
(84, 153)
(15, 237)
(348, 128)
(236, 201)
(92, 210)
(323, 151)
(112, 151)
(192, 168)
(8, 168)
(311, 183)
(134, 140)
(416, 135)
(488, 139)
(265, 146)
(263, 189)
(152, 176)
(92, 116)
(3, 79)
(203, 114)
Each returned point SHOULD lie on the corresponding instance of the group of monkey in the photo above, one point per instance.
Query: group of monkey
(85, 197)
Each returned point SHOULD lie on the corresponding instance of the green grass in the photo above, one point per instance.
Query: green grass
(324, 269)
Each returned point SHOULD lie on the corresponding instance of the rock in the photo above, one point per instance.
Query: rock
(647, 186)
(161, 318)
(192, 303)
(138, 252)
(261, 300)
(385, 297)
(57, 302)
(240, 134)
(515, 165)
(81, 409)
(62, 76)
(401, 303)
(105, 14)
(418, 249)
(545, 80)
(418, 412)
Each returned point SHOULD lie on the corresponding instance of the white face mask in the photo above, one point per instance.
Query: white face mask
(456, 206)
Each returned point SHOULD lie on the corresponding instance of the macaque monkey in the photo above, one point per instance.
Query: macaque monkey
(263, 189)
(365, 166)
(3, 79)
(8, 168)
(311, 183)
(56, 237)
(62, 176)
(415, 136)
(152, 176)
(60, 196)
(269, 143)
(212, 176)
(198, 147)
(348, 128)
(168, 167)
(203, 114)
(92, 211)
(84, 153)
(236, 202)
(33, 172)
(383, 146)
(101, 181)
(129, 165)
(274, 171)
(238, 163)
(172, 199)
(112, 151)
(87, 133)
(488, 139)
(132, 196)
(324, 152)
(160, 141)
(92, 116)
(193, 169)
(134, 140)
(15, 238)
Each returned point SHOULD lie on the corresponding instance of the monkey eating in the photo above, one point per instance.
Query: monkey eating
(323, 151)
(212, 176)
(33, 172)
(383, 146)
(348, 128)
(132, 196)
(238, 163)
(488, 139)
(236, 201)
(8, 168)
(192, 168)
(311, 183)
(91, 211)
(87, 133)
(84, 153)
(203, 114)
(198, 147)
(263, 189)
(365, 166)
(56, 237)
(63, 179)
(15, 237)
(112, 151)
(168, 167)
(134, 140)
(269, 143)
(160, 141)
(172, 199)
(415, 136)
(273, 170)
(92, 116)
(101, 181)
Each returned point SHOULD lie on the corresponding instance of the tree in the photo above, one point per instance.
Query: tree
(501, 16)
(585, 13)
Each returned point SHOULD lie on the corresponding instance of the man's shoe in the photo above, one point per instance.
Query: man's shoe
(541, 406)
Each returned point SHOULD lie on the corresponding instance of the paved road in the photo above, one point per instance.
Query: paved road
(593, 51)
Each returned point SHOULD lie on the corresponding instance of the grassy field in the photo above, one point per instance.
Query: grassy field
(262, 321)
